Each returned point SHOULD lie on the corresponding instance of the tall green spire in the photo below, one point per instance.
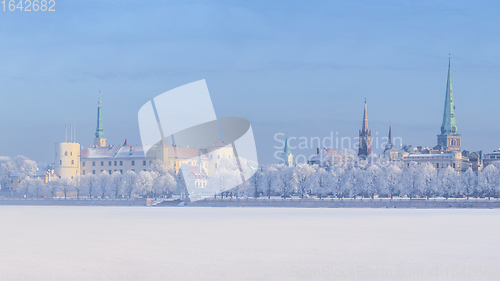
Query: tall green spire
(449, 126)
(99, 133)
(286, 151)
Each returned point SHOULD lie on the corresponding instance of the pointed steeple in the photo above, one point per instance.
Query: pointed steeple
(449, 139)
(365, 147)
(99, 132)
(287, 154)
(286, 151)
(364, 127)
(390, 136)
(449, 126)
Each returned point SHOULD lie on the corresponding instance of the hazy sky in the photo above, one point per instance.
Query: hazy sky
(301, 67)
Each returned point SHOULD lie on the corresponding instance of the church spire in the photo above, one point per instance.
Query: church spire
(364, 127)
(449, 126)
(449, 139)
(287, 154)
(365, 147)
(99, 132)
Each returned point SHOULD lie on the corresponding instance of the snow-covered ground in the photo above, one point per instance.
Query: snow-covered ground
(141, 243)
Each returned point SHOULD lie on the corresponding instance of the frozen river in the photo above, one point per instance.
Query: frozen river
(145, 243)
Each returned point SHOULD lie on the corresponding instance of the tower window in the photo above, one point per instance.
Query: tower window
(60, 162)
(215, 165)
(65, 153)
(71, 153)
(218, 156)
(72, 162)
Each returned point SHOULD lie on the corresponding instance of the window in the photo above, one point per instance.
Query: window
(144, 163)
(453, 165)
(121, 172)
(121, 163)
(72, 162)
(133, 163)
(109, 172)
(109, 163)
(216, 165)
(71, 177)
(447, 165)
(11, 181)
(102, 163)
(93, 163)
(83, 164)
(83, 172)
(437, 165)
(65, 153)
(71, 153)
(218, 156)
(115, 163)
(93, 172)
(133, 170)
(60, 162)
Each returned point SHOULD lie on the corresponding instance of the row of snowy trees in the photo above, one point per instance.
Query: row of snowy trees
(393, 179)
(155, 182)
(347, 177)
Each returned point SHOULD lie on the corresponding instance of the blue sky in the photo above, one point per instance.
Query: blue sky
(302, 67)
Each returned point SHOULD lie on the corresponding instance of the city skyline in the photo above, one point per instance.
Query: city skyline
(307, 76)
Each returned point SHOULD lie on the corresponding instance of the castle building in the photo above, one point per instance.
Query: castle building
(71, 161)
(449, 139)
(365, 135)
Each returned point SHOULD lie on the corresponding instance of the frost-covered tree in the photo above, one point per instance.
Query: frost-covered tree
(335, 181)
(447, 182)
(427, 180)
(145, 181)
(130, 185)
(488, 180)
(373, 181)
(304, 174)
(116, 182)
(65, 185)
(24, 187)
(409, 180)
(271, 180)
(323, 181)
(7, 167)
(393, 176)
(78, 186)
(468, 183)
(37, 187)
(103, 183)
(89, 184)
